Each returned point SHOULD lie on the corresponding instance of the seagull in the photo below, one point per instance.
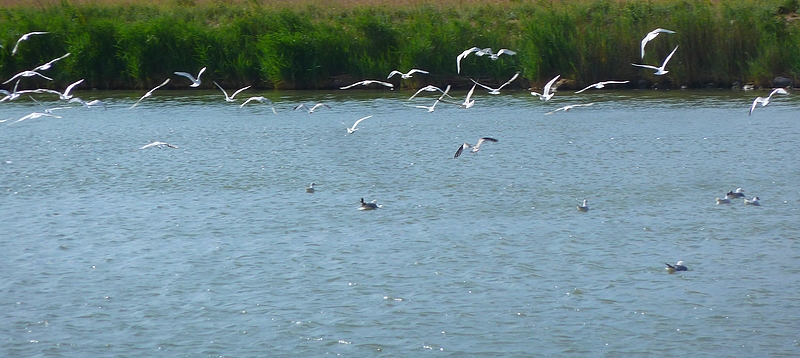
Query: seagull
(464, 54)
(257, 98)
(584, 207)
(90, 103)
(195, 81)
(432, 107)
(739, 193)
(659, 70)
(651, 35)
(678, 267)
(753, 201)
(46, 66)
(406, 75)
(230, 99)
(765, 101)
(27, 74)
(467, 102)
(64, 96)
(310, 188)
(428, 88)
(567, 108)
(25, 37)
(475, 148)
(150, 92)
(301, 105)
(723, 201)
(601, 85)
(369, 206)
(35, 115)
(352, 129)
(160, 145)
(47, 110)
(497, 90)
(546, 92)
(368, 82)
(495, 56)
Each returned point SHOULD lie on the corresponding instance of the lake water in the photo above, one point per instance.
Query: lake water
(215, 249)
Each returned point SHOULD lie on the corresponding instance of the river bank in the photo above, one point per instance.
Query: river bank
(275, 45)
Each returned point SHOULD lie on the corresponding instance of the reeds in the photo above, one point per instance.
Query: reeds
(250, 43)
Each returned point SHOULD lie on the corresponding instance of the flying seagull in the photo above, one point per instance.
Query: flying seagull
(492, 55)
(35, 115)
(89, 104)
(257, 99)
(66, 95)
(765, 101)
(659, 70)
(25, 37)
(547, 91)
(160, 145)
(227, 98)
(475, 148)
(195, 81)
(467, 102)
(312, 109)
(428, 88)
(497, 90)
(368, 82)
(150, 92)
(47, 65)
(27, 74)
(432, 107)
(406, 75)
(567, 108)
(651, 35)
(599, 85)
(462, 55)
(352, 129)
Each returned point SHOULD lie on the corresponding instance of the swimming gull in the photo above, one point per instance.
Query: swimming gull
(259, 99)
(723, 201)
(567, 108)
(659, 70)
(25, 37)
(475, 148)
(353, 128)
(406, 75)
(547, 92)
(368, 82)
(583, 207)
(753, 201)
(651, 35)
(369, 206)
(602, 84)
(765, 101)
(679, 266)
(160, 145)
(739, 193)
(497, 90)
(230, 98)
(310, 188)
(150, 92)
(195, 81)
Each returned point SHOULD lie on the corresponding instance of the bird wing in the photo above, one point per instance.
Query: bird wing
(462, 55)
(650, 35)
(546, 90)
(509, 81)
(777, 90)
(414, 70)
(395, 72)
(556, 110)
(359, 121)
(482, 85)
(317, 106)
(256, 99)
(301, 105)
(444, 93)
(587, 87)
(505, 51)
(461, 149)
(161, 85)
(469, 94)
(187, 75)
(200, 73)
(646, 66)
(239, 90)
(483, 139)
(669, 57)
(70, 87)
(354, 84)
(429, 88)
(223, 91)
(756, 102)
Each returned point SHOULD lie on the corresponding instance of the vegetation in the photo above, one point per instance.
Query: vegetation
(280, 45)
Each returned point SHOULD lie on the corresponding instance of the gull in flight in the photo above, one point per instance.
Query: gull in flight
(47, 110)
(89, 104)
(160, 145)
(599, 85)
(497, 90)
(467, 102)
(64, 96)
(765, 101)
(25, 37)
(428, 88)
(432, 107)
(352, 129)
(312, 109)
(150, 92)
(257, 99)
(195, 81)
(14, 94)
(583, 207)
(475, 148)
(230, 98)
(47, 66)
(368, 82)
(659, 70)
(651, 35)
(567, 108)
(35, 115)
(492, 55)
(27, 74)
(547, 91)
(678, 267)
(369, 206)
(406, 75)
(464, 54)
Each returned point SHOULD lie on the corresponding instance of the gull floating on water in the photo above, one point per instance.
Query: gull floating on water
(659, 70)
(160, 145)
(352, 129)
(723, 201)
(678, 267)
(35, 115)
(428, 88)
(369, 206)
(547, 92)
(368, 82)
(46, 66)
(475, 148)
(25, 37)
(312, 109)
(765, 101)
(651, 35)
(310, 188)
(753, 201)
(259, 99)
(739, 193)
(497, 90)
(583, 207)
(150, 92)
(195, 81)
(567, 108)
(599, 85)
(227, 98)
(27, 74)
(406, 75)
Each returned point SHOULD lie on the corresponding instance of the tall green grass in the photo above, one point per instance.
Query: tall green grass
(123, 47)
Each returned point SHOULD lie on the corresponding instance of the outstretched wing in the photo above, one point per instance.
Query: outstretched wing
(461, 149)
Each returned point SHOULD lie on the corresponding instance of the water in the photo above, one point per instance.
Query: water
(215, 248)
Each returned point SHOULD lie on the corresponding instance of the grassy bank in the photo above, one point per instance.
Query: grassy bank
(279, 45)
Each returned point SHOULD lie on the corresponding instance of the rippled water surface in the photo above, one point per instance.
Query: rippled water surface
(216, 249)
